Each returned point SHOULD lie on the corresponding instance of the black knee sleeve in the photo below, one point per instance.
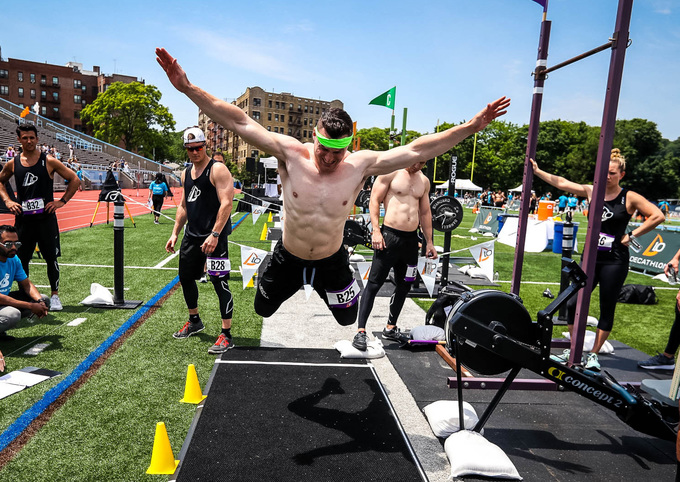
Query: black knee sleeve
(53, 273)
(397, 302)
(190, 291)
(366, 302)
(224, 295)
(346, 316)
(263, 306)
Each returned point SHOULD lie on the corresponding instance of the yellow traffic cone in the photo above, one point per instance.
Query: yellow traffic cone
(192, 390)
(162, 460)
(251, 283)
(263, 236)
(270, 218)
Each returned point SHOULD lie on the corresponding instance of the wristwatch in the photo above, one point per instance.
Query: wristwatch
(63, 200)
(215, 234)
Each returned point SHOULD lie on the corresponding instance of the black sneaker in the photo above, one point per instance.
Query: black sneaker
(658, 362)
(360, 340)
(189, 329)
(393, 334)
(222, 344)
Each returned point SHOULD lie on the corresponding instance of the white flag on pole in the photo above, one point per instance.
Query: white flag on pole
(364, 270)
(483, 254)
(251, 259)
(258, 210)
(428, 272)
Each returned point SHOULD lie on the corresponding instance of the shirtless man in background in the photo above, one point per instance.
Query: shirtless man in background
(320, 182)
(405, 194)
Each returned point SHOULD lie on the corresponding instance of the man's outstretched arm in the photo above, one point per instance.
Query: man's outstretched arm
(431, 145)
(227, 115)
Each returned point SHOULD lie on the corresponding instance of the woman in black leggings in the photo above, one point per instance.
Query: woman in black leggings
(612, 253)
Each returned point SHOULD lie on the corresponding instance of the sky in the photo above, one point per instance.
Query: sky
(447, 58)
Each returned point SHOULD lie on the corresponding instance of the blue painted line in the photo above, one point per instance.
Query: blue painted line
(239, 221)
(26, 418)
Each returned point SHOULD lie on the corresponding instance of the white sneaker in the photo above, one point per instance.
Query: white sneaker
(55, 303)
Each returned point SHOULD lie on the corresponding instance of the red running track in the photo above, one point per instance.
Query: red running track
(79, 210)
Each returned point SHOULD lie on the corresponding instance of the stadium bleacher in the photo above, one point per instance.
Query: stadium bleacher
(93, 155)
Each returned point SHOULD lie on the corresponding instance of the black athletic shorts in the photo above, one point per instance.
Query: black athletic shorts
(400, 253)
(192, 259)
(42, 230)
(330, 277)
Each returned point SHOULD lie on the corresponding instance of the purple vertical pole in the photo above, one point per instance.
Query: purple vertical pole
(611, 103)
(532, 139)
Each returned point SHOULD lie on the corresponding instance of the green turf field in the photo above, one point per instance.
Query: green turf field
(105, 429)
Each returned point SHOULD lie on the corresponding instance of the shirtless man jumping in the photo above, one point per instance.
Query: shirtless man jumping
(320, 182)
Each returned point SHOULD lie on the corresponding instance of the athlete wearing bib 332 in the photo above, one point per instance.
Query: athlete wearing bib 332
(206, 209)
(611, 267)
(35, 211)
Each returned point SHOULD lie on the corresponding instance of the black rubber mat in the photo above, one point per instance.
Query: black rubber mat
(296, 414)
(551, 436)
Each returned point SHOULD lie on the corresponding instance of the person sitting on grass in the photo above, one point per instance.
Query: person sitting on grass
(15, 305)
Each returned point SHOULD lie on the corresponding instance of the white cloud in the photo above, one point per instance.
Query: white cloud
(276, 61)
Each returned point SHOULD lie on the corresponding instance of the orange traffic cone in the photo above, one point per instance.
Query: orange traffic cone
(192, 390)
(162, 460)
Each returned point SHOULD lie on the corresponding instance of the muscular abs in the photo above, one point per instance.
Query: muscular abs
(316, 207)
(403, 199)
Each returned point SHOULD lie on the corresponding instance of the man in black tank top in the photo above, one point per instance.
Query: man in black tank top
(35, 208)
(205, 209)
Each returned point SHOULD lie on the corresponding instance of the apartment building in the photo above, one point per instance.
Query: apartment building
(282, 113)
(60, 91)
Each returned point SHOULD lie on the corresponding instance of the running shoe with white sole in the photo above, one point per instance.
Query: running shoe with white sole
(360, 340)
(592, 362)
(189, 329)
(222, 344)
(658, 362)
(563, 358)
(55, 303)
(391, 334)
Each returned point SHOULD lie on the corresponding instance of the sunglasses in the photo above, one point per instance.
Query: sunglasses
(9, 244)
(196, 149)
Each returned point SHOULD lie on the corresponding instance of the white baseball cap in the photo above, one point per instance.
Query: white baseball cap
(192, 135)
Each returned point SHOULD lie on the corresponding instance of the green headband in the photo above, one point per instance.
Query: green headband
(333, 143)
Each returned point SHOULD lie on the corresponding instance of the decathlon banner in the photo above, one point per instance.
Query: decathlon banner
(251, 259)
(483, 254)
(258, 210)
(658, 248)
(487, 219)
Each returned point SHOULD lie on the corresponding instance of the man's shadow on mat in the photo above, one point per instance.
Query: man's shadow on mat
(371, 429)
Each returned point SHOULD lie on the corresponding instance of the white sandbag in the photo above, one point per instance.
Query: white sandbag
(471, 454)
(356, 258)
(374, 349)
(98, 296)
(443, 417)
(589, 341)
(428, 332)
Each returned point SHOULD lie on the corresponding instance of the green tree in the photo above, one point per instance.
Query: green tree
(374, 139)
(131, 114)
